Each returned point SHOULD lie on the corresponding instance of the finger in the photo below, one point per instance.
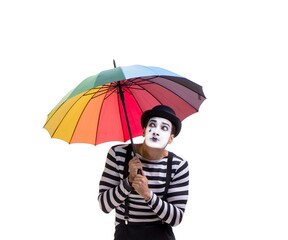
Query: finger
(134, 159)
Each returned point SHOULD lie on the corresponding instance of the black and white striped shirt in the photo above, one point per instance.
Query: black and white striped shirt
(113, 189)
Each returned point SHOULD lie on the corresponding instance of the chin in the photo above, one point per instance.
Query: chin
(155, 146)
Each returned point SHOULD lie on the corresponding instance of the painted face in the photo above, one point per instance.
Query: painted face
(158, 132)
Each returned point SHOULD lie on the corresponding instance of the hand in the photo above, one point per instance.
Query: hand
(140, 185)
(134, 166)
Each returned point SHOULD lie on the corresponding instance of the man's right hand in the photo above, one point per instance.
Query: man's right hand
(134, 166)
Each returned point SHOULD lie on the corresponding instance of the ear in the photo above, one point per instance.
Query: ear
(171, 139)
(143, 133)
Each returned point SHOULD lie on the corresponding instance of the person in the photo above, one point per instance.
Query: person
(153, 208)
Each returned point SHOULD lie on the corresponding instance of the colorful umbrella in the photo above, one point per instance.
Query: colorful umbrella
(108, 106)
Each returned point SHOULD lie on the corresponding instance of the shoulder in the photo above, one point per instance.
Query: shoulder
(176, 156)
(119, 150)
(179, 162)
(119, 147)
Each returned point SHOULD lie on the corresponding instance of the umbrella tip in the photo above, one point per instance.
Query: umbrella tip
(114, 63)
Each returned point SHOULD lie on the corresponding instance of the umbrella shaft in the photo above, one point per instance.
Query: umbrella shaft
(126, 116)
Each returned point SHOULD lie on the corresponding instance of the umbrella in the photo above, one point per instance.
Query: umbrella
(108, 106)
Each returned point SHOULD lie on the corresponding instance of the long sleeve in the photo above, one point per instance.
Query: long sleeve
(172, 210)
(112, 189)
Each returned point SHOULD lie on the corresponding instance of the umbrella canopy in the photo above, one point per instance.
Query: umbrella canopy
(108, 106)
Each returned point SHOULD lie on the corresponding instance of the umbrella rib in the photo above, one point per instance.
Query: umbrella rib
(196, 88)
(87, 93)
(84, 94)
(101, 90)
(143, 82)
(137, 84)
(111, 91)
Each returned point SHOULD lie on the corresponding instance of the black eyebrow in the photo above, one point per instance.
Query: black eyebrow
(166, 124)
(152, 120)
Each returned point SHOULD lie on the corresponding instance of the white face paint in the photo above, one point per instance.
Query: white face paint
(158, 132)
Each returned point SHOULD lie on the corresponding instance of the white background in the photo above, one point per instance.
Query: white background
(236, 145)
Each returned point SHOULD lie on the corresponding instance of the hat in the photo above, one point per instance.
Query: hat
(164, 112)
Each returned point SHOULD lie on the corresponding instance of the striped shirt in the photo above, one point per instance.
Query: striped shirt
(113, 189)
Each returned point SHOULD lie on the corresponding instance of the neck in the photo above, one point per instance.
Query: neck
(151, 153)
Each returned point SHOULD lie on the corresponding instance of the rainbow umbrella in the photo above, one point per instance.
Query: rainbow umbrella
(108, 106)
